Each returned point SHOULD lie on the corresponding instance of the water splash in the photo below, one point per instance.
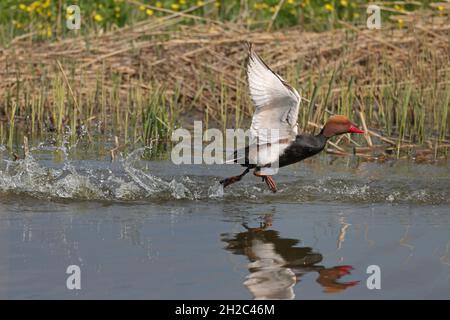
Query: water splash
(128, 182)
(216, 191)
(130, 179)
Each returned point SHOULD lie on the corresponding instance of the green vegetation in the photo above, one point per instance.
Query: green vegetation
(45, 19)
(136, 70)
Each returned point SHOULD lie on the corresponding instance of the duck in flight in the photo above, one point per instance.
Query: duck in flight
(274, 138)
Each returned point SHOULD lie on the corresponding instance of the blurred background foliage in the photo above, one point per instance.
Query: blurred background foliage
(183, 60)
(46, 18)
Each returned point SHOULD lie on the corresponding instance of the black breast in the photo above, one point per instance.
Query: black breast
(303, 147)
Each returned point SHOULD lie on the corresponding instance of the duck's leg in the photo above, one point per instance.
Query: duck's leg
(226, 182)
(270, 183)
(267, 179)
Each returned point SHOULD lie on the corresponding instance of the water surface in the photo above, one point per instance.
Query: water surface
(152, 230)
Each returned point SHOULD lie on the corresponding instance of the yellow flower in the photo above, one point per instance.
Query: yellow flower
(399, 8)
(329, 7)
(18, 25)
(200, 3)
(46, 4)
(149, 12)
(182, 1)
(344, 3)
(440, 8)
(98, 18)
(158, 4)
(70, 15)
(175, 6)
(400, 22)
(22, 7)
(142, 8)
(34, 5)
(49, 32)
(291, 1)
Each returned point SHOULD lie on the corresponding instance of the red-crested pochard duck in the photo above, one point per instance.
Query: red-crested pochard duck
(277, 105)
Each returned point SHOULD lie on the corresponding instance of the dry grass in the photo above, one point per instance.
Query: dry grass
(395, 81)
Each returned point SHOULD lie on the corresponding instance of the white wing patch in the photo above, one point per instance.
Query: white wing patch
(276, 102)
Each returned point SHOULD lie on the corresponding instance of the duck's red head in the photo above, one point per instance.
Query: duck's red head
(338, 125)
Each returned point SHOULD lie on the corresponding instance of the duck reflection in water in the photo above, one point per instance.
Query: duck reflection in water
(276, 264)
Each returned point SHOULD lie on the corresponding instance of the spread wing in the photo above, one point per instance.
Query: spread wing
(276, 102)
